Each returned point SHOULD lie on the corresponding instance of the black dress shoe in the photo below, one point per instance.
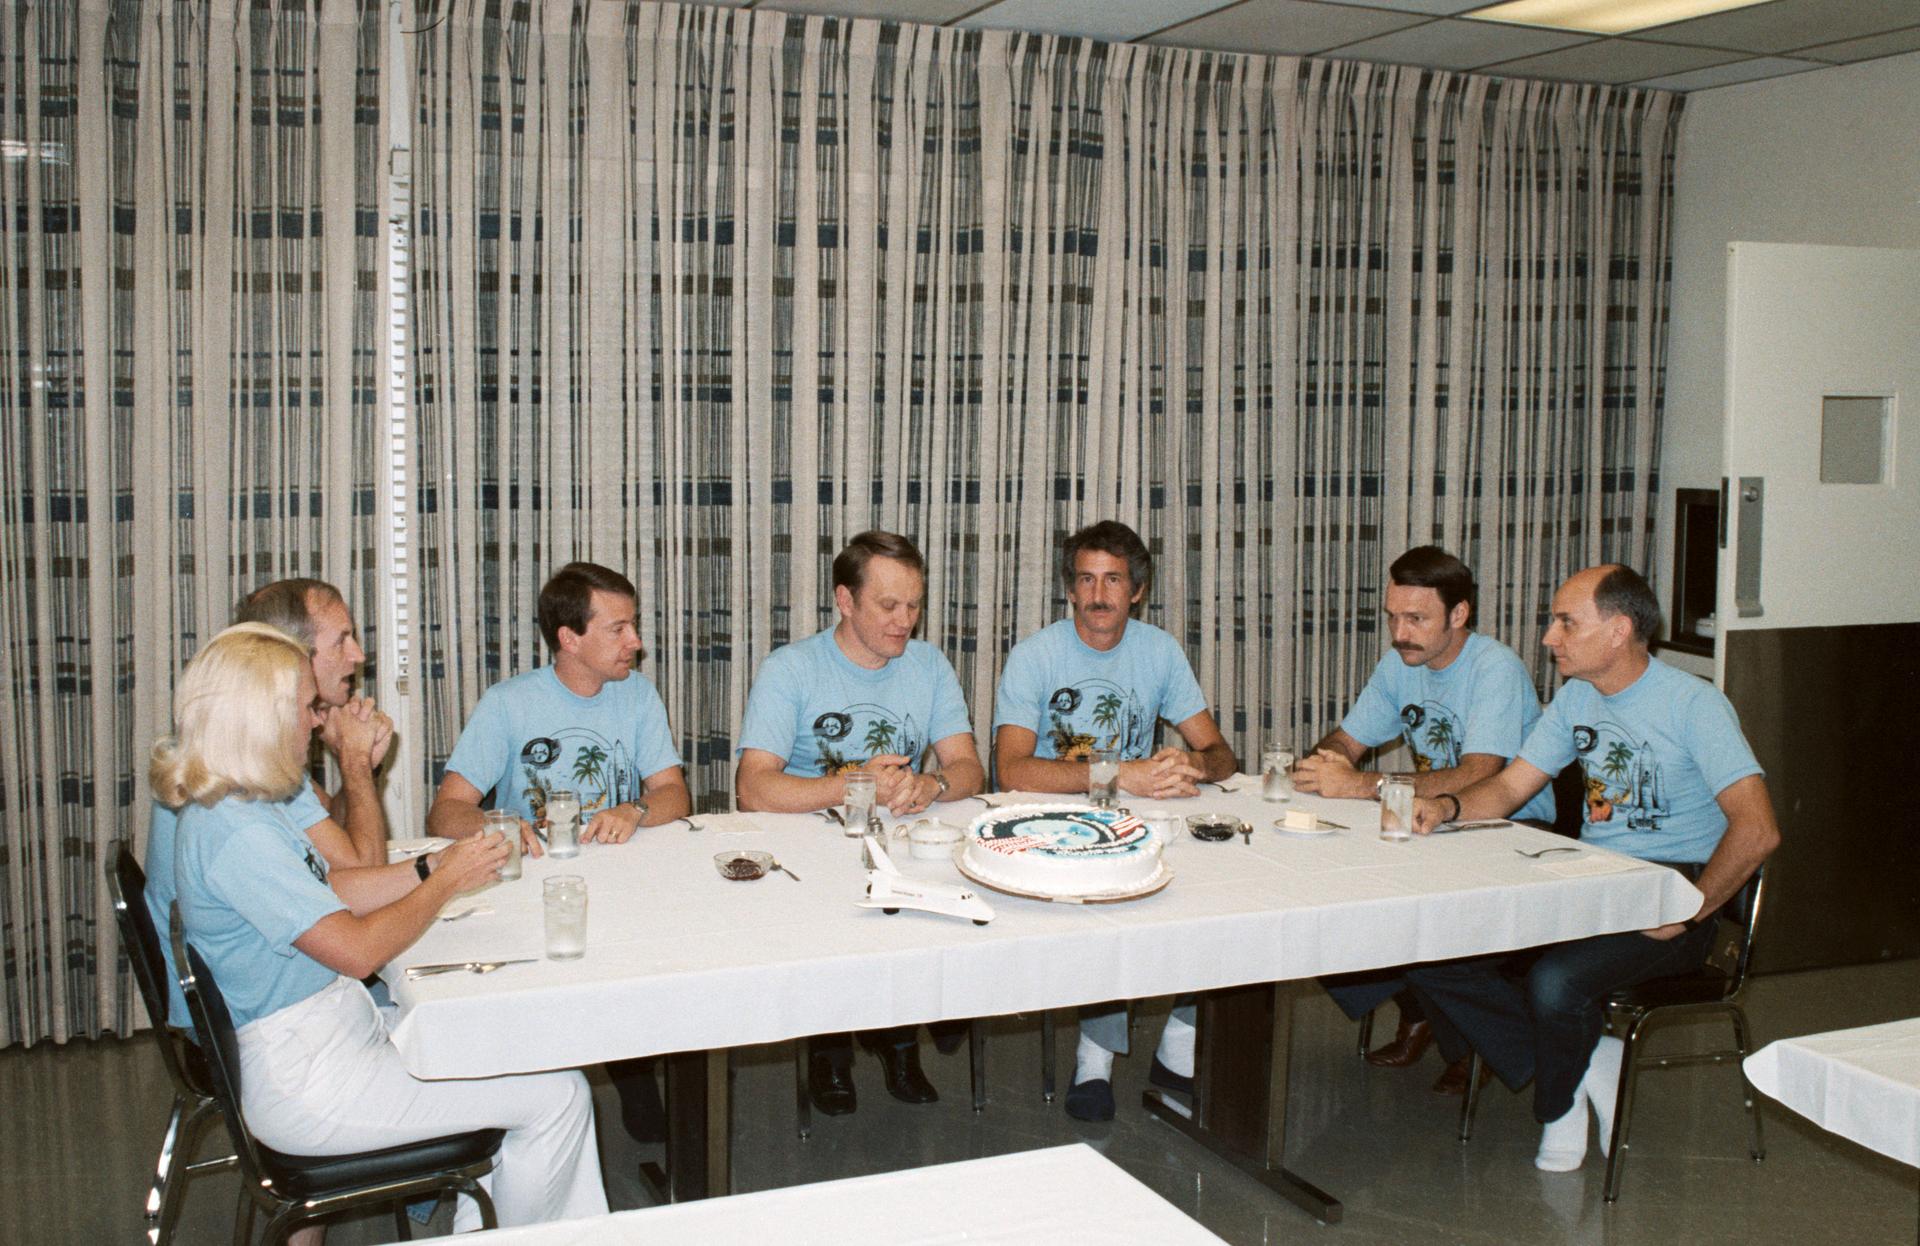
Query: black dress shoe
(830, 1086)
(1090, 1100)
(1166, 1079)
(905, 1081)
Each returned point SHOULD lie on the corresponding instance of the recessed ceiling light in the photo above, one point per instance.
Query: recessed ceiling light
(1603, 17)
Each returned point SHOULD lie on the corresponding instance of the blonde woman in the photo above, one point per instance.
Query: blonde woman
(288, 940)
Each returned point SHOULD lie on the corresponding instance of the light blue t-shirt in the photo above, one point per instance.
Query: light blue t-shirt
(814, 706)
(1075, 697)
(1481, 702)
(532, 734)
(249, 883)
(303, 809)
(1656, 754)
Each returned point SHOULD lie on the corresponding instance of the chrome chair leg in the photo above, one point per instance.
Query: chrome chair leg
(243, 1217)
(402, 1228)
(1470, 1101)
(803, 1107)
(1048, 1066)
(163, 1187)
(1366, 1038)
(1744, 1041)
(1623, 1109)
(977, 1061)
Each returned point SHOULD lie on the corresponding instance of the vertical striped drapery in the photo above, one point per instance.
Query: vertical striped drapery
(703, 292)
(188, 385)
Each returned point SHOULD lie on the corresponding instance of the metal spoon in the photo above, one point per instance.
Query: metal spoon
(1543, 852)
(692, 825)
(465, 913)
(784, 870)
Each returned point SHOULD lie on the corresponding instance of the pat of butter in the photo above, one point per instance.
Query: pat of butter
(1302, 820)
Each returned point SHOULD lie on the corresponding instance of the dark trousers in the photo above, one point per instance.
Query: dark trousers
(1543, 1026)
(837, 1049)
(1360, 993)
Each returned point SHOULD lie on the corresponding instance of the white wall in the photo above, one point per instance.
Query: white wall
(1830, 156)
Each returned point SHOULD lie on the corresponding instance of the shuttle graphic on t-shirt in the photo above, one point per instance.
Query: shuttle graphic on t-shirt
(1622, 776)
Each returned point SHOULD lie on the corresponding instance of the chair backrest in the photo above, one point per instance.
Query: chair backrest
(127, 888)
(218, 1042)
(1736, 945)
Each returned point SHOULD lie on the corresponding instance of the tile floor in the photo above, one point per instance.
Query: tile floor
(80, 1125)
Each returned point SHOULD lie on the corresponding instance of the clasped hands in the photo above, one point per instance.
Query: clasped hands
(897, 787)
(357, 730)
(1163, 776)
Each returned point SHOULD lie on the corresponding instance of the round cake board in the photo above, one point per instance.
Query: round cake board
(1160, 878)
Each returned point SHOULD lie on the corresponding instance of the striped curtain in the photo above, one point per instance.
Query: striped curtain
(702, 292)
(189, 372)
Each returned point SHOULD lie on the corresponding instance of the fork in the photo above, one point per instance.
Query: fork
(1543, 852)
(470, 966)
(465, 913)
(784, 870)
(691, 824)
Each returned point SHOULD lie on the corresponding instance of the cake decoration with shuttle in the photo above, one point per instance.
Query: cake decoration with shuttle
(1075, 854)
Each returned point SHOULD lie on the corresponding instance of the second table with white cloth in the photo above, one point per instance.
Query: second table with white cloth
(682, 960)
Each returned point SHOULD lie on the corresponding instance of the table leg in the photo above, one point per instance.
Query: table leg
(1240, 1090)
(699, 1144)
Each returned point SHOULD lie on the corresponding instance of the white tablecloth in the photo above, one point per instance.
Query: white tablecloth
(1063, 1194)
(680, 959)
(1862, 1084)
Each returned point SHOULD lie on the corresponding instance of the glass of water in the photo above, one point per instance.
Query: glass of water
(1103, 777)
(858, 800)
(563, 823)
(506, 823)
(1276, 774)
(566, 902)
(1396, 810)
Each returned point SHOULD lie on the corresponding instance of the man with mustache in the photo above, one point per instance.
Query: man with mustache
(862, 695)
(1103, 679)
(1464, 704)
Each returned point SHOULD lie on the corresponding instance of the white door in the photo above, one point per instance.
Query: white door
(1819, 588)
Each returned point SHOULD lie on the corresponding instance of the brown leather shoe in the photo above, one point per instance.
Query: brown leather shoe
(1454, 1080)
(1408, 1045)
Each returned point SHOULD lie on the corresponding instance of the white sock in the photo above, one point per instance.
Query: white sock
(1176, 1047)
(1092, 1062)
(1563, 1143)
(1601, 1086)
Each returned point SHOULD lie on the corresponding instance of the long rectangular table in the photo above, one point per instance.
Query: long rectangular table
(681, 962)
(1060, 1194)
(1862, 1084)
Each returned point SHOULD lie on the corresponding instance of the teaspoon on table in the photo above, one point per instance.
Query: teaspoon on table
(469, 966)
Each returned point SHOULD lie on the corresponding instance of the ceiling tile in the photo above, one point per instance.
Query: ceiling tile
(1891, 44)
(1436, 8)
(1612, 60)
(1732, 72)
(1287, 27)
(932, 11)
(1097, 19)
(1787, 25)
(1458, 45)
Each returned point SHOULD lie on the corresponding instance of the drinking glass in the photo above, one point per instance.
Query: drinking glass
(1276, 774)
(563, 823)
(1396, 810)
(1103, 777)
(859, 801)
(566, 903)
(507, 823)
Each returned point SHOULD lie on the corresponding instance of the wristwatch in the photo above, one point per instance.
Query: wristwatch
(940, 786)
(421, 867)
(641, 805)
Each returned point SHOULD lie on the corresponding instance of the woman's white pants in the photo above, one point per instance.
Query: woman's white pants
(321, 1077)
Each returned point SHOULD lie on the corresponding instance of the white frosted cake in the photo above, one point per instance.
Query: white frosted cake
(1061, 850)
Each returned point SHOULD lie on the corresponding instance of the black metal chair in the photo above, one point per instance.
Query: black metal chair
(194, 1106)
(1715, 988)
(298, 1188)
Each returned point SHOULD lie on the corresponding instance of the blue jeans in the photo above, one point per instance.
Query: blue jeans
(1544, 1026)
